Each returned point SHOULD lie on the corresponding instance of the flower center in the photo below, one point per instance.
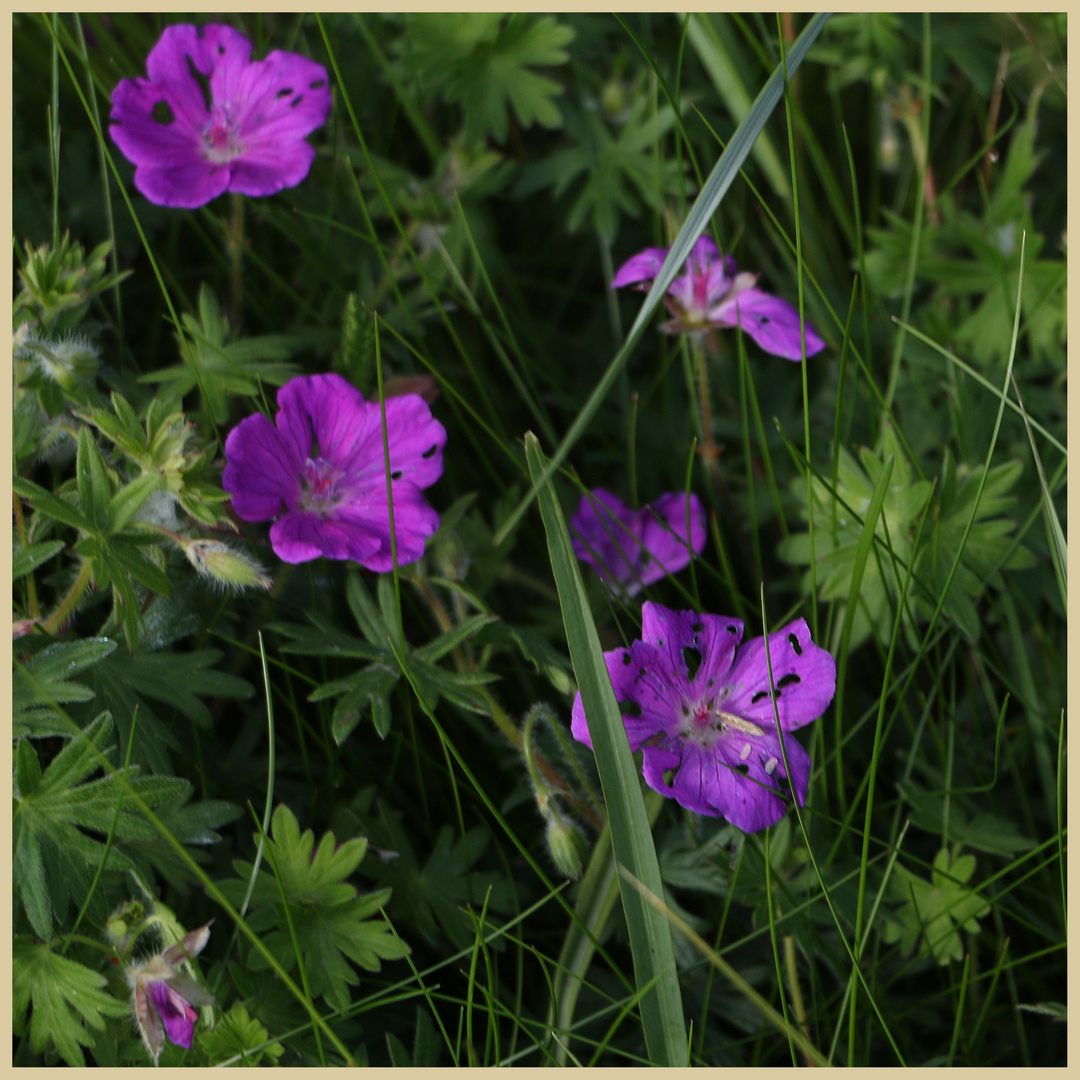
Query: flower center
(708, 723)
(319, 486)
(220, 138)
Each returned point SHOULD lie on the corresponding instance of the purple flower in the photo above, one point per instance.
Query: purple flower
(712, 293)
(699, 704)
(209, 120)
(630, 549)
(321, 473)
(162, 996)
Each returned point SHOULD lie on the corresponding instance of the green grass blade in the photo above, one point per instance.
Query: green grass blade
(733, 977)
(650, 936)
(1059, 550)
(716, 187)
(985, 383)
(714, 53)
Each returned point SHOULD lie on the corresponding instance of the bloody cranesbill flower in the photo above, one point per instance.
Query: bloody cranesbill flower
(162, 996)
(630, 549)
(700, 705)
(208, 119)
(321, 473)
(712, 293)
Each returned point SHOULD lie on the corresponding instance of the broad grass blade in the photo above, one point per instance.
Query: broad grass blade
(650, 936)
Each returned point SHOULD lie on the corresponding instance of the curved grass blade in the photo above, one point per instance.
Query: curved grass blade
(716, 187)
(650, 936)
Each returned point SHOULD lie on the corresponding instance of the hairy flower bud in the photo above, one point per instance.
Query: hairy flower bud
(119, 928)
(566, 843)
(224, 565)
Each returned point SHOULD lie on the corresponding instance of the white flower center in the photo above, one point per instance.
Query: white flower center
(319, 486)
(221, 141)
(706, 723)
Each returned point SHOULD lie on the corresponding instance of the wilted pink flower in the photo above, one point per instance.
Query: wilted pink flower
(712, 293)
(245, 133)
(162, 997)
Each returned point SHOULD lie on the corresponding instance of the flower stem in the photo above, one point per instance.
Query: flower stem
(709, 450)
(235, 239)
(74, 595)
(795, 990)
(31, 588)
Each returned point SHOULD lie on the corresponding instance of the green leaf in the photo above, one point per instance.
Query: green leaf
(221, 364)
(1054, 1009)
(934, 912)
(50, 505)
(123, 556)
(425, 1054)
(432, 896)
(43, 682)
(238, 1034)
(650, 934)
(437, 649)
(139, 684)
(125, 504)
(334, 927)
(66, 999)
(484, 62)
(985, 548)
(840, 527)
(54, 858)
(26, 560)
(620, 171)
(371, 686)
(92, 481)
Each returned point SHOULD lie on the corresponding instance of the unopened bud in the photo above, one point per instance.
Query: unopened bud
(118, 927)
(224, 565)
(567, 845)
(69, 362)
(613, 99)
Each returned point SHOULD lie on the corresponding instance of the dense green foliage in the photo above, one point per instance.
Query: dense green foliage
(368, 781)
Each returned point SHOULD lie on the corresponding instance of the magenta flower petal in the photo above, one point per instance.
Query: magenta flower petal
(773, 323)
(301, 536)
(696, 699)
(804, 675)
(603, 534)
(176, 1014)
(262, 470)
(630, 549)
(703, 254)
(320, 471)
(249, 138)
(663, 535)
(643, 266)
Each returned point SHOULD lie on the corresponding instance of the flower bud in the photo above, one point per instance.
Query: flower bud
(118, 928)
(566, 843)
(224, 565)
(69, 361)
(613, 99)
